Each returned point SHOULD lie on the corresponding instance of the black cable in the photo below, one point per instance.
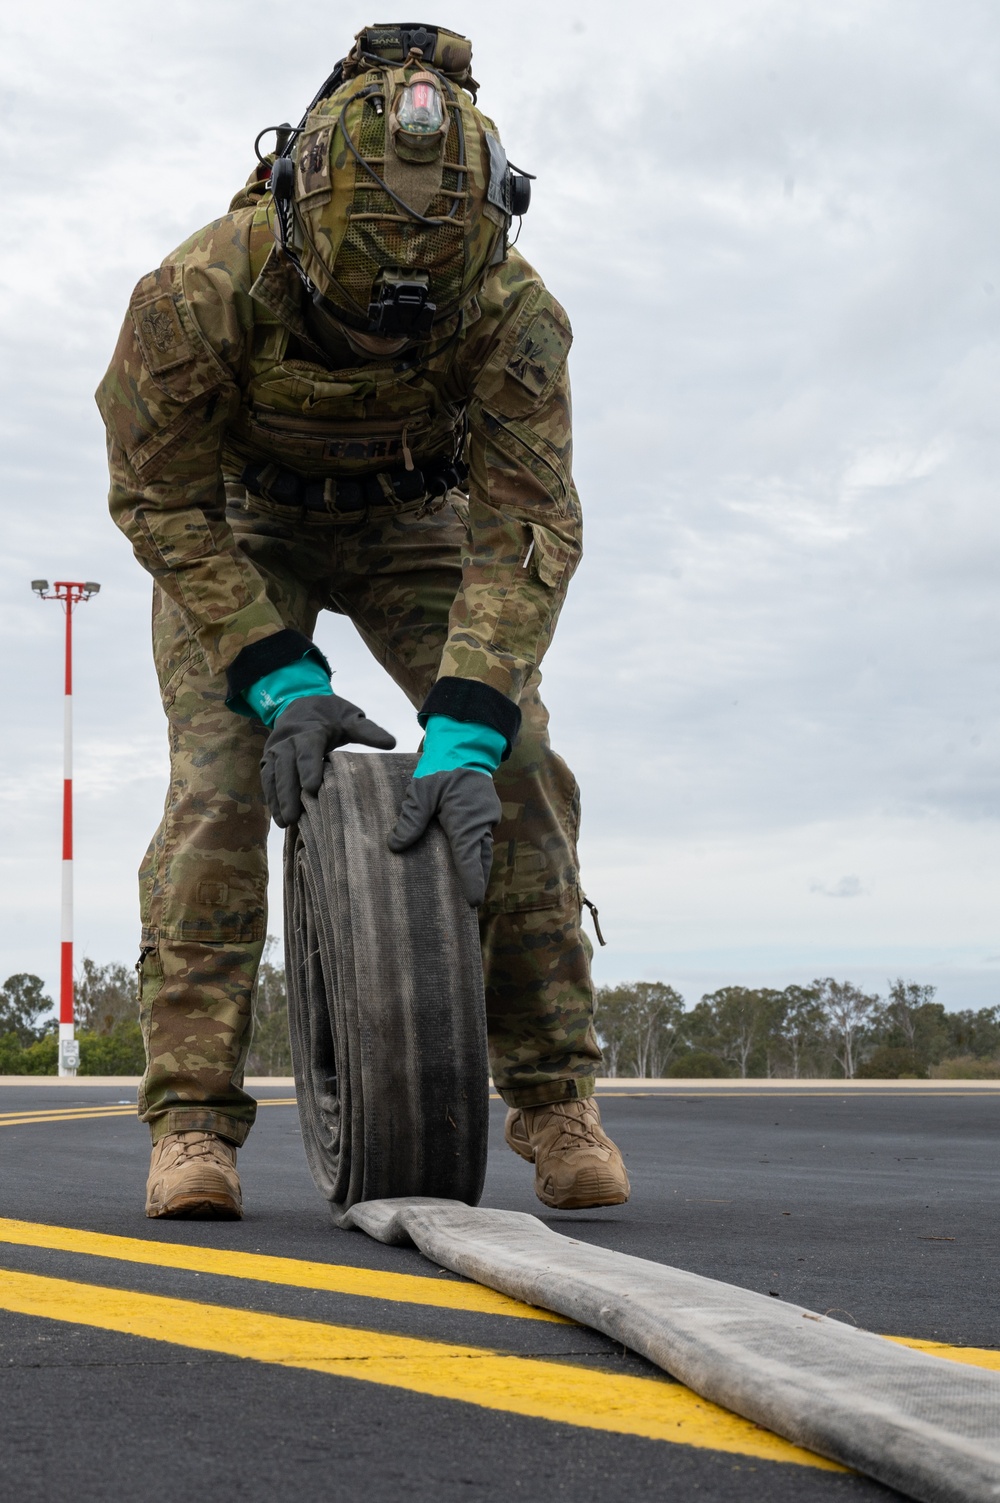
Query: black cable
(433, 224)
(424, 357)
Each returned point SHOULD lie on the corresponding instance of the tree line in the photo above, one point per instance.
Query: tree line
(106, 1009)
(828, 1029)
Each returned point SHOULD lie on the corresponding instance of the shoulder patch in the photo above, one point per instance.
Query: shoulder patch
(540, 353)
(313, 162)
(164, 340)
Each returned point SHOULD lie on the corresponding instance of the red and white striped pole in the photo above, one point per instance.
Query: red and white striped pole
(70, 592)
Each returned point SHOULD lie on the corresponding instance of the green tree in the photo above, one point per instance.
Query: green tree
(658, 1012)
(105, 996)
(23, 1005)
(908, 1033)
(39, 1058)
(638, 1024)
(698, 1064)
(848, 1012)
(118, 1051)
(270, 1049)
(967, 1067)
(803, 1032)
(975, 1034)
(11, 1054)
(740, 1024)
(106, 1011)
(612, 1023)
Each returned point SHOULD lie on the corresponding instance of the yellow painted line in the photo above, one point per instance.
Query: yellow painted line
(30, 1119)
(972, 1356)
(654, 1408)
(335, 1278)
(84, 1113)
(624, 1405)
(33, 1114)
(776, 1096)
(340, 1278)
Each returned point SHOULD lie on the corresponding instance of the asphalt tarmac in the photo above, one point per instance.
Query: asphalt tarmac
(150, 1367)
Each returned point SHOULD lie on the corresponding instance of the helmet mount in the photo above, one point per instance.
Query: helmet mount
(393, 195)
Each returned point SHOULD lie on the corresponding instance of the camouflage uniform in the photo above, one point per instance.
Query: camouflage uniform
(249, 477)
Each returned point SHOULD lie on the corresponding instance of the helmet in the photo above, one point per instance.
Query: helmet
(394, 194)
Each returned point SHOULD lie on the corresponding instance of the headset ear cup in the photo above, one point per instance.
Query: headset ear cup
(519, 193)
(282, 180)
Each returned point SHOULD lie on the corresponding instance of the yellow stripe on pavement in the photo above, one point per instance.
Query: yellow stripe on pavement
(653, 1408)
(972, 1356)
(63, 1117)
(54, 1111)
(342, 1278)
(546, 1390)
(336, 1278)
(989, 1088)
(84, 1113)
(64, 1113)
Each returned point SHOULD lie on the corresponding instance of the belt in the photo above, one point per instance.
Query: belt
(348, 497)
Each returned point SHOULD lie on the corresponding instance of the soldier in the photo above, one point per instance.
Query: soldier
(350, 394)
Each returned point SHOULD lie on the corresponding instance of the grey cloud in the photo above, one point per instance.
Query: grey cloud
(786, 412)
(847, 887)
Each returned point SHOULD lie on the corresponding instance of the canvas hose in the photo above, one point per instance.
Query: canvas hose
(925, 1426)
(389, 1048)
(385, 996)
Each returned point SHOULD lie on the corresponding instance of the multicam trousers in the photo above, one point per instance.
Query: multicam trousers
(203, 882)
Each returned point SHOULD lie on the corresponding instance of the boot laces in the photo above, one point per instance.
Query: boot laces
(575, 1132)
(195, 1145)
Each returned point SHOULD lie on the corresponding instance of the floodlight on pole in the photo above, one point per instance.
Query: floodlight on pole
(70, 593)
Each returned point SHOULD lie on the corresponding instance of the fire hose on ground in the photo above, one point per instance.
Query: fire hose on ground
(389, 1045)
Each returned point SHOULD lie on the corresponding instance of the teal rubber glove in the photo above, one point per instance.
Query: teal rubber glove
(452, 783)
(276, 691)
(296, 749)
(450, 744)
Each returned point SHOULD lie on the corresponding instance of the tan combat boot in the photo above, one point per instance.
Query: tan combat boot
(576, 1163)
(194, 1174)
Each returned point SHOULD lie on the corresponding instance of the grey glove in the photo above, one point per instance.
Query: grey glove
(466, 806)
(296, 749)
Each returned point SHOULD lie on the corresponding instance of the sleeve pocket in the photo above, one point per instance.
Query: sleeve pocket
(178, 537)
(552, 558)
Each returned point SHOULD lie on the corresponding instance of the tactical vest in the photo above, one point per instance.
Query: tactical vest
(336, 424)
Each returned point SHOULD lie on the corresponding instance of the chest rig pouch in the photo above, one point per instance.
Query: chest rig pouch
(339, 440)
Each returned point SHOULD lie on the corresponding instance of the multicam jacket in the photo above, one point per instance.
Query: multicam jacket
(215, 378)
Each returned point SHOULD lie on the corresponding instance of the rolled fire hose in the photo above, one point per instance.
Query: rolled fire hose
(385, 996)
(389, 1046)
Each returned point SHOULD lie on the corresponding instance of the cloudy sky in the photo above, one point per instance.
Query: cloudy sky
(775, 227)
